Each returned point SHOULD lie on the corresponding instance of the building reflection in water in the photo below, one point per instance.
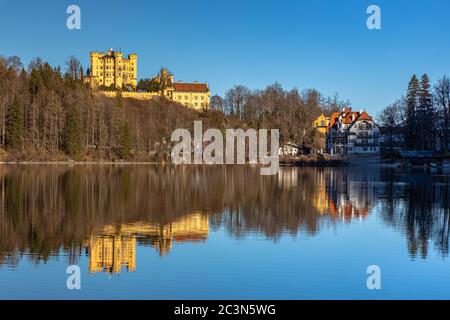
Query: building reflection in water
(114, 247)
(287, 178)
(110, 210)
(345, 195)
(110, 253)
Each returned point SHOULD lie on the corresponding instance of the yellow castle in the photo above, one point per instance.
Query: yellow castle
(112, 69)
(114, 246)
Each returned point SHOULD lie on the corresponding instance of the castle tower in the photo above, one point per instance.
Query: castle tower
(132, 74)
(111, 69)
(118, 77)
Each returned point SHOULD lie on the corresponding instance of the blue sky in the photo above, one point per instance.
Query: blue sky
(322, 44)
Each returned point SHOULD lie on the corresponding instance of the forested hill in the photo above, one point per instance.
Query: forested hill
(48, 115)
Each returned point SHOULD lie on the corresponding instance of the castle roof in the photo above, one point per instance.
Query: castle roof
(191, 87)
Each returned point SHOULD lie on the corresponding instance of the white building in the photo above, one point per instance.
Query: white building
(289, 149)
(352, 132)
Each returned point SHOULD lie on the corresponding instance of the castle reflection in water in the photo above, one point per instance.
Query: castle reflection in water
(108, 211)
(114, 247)
(341, 197)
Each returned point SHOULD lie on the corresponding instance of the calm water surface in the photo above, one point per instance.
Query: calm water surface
(160, 232)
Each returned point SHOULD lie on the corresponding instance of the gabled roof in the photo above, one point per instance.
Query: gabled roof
(364, 116)
(333, 118)
(349, 117)
(190, 87)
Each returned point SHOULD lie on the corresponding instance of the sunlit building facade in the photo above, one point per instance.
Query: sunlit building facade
(114, 247)
(352, 132)
(111, 69)
(321, 123)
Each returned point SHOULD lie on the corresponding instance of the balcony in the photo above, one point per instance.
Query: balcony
(366, 143)
(367, 136)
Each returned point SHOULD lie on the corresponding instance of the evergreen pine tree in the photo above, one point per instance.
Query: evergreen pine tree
(125, 141)
(73, 140)
(15, 125)
(425, 115)
(411, 110)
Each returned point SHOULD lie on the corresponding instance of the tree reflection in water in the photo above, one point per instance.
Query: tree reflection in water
(417, 204)
(45, 209)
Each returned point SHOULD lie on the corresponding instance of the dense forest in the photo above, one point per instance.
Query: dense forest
(420, 120)
(47, 113)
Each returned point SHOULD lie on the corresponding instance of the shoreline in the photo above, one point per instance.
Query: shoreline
(78, 162)
(299, 163)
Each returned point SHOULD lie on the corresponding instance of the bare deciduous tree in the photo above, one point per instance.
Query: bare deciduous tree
(73, 67)
(390, 120)
(442, 101)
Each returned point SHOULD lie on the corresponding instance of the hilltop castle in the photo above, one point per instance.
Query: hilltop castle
(110, 72)
(111, 69)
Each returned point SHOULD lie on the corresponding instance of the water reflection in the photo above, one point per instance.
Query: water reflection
(346, 194)
(105, 211)
(417, 204)
(113, 247)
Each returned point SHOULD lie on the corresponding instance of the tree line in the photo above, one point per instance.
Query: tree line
(47, 113)
(291, 111)
(420, 119)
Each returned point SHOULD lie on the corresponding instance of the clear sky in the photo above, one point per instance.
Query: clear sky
(322, 44)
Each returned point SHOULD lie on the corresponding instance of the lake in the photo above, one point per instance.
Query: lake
(223, 232)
